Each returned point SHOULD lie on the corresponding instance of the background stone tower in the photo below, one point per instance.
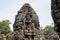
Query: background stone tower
(26, 25)
(55, 12)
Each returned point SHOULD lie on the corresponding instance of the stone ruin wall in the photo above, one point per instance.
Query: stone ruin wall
(55, 12)
(26, 25)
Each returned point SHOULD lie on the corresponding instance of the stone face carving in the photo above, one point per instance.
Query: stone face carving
(26, 25)
(55, 10)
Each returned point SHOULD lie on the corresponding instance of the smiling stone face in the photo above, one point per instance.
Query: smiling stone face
(26, 20)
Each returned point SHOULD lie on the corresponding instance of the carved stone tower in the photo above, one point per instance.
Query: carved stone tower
(26, 25)
(55, 10)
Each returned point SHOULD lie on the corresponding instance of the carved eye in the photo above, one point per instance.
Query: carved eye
(31, 16)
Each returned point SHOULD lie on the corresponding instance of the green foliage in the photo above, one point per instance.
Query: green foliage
(44, 31)
(47, 29)
(4, 27)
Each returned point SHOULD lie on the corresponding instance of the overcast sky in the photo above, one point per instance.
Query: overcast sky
(9, 8)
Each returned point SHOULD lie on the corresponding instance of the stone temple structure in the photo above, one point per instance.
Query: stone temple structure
(26, 25)
(55, 10)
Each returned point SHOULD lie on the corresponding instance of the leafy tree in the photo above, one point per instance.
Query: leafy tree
(44, 31)
(47, 29)
(5, 28)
